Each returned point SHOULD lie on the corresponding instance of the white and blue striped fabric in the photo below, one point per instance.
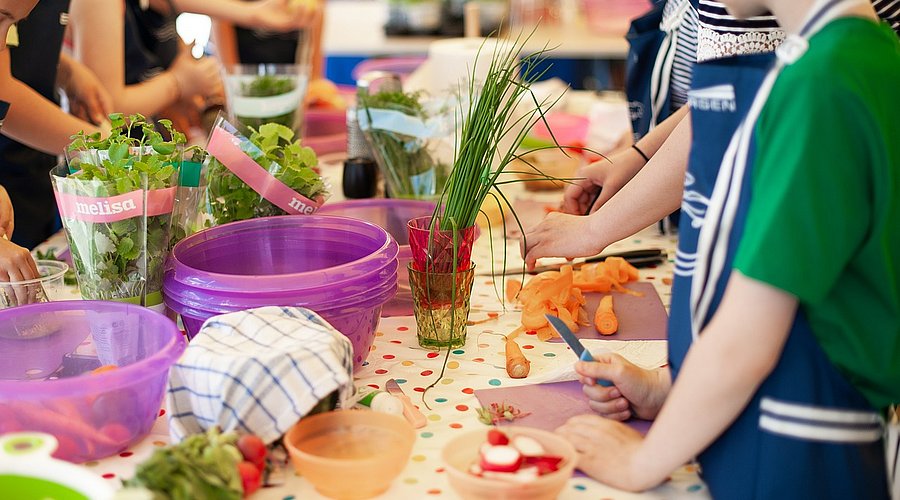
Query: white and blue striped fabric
(257, 371)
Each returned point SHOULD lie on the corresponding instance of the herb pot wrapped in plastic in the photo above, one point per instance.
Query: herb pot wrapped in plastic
(264, 175)
(411, 139)
(116, 197)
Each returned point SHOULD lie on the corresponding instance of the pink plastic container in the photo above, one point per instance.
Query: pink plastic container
(47, 354)
(325, 131)
(613, 17)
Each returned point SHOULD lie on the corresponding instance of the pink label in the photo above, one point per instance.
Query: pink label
(115, 208)
(224, 147)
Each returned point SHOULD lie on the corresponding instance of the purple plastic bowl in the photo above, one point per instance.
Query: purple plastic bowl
(277, 253)
(216, 303)
(47, 353)
(358, 321)
(187, 295)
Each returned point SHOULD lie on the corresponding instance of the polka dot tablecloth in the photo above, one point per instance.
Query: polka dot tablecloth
(477, 365)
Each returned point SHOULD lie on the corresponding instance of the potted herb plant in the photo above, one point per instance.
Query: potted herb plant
(499, 112)
(116, 196)
(266, 93)
(265, 174)
(404, 137)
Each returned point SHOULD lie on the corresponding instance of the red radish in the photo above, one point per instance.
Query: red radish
(528, 446)
(501, 459)
(250, 477)
(253, 450)
(545, 464)
(497, 437)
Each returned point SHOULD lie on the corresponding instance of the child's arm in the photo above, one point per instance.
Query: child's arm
(651, 195)
(737, 350)
(32, 119)
(274, 15)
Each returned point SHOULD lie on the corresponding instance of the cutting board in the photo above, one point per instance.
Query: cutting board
(548, 405)
(640, 318)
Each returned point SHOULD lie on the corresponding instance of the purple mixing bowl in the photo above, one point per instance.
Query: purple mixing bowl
(216, 303)
(273, 254)
(47, 354)
(199, 297)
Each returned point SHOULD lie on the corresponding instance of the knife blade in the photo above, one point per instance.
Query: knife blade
(573, 342)
(412, 414)
(637, 258)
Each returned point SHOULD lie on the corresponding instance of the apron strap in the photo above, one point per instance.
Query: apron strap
(713, 241)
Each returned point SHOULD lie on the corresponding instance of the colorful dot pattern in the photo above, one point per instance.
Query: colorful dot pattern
(451, 403)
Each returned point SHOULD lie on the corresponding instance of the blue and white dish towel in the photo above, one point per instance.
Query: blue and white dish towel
(257, 371)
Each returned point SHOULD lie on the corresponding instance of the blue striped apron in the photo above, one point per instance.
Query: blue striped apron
(807, 432)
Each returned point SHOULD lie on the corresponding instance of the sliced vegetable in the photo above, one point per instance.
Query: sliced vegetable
(496, 437)
(528, 446)
(561, 294)
(253, 449)
(501, 458)
(605, 318)
(251, 477)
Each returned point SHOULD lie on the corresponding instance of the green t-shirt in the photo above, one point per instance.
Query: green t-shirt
(824, 220)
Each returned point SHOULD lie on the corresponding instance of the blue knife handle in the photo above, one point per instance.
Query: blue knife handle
(586, 356)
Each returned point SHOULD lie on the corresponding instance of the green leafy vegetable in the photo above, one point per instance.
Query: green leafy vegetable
(268, 86)
(408, 166)
(203, 466)
(122, 259)
(229, 199)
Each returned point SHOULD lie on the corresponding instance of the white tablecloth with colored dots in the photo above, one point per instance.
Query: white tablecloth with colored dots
(479, 364)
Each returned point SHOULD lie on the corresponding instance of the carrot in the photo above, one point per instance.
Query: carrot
(512, 289)
(605, 318)
(54, 422)
(103, 369)
(517, 365)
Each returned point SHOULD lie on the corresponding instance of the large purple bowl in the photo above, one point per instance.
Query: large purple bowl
(48, 353)
(273, 254)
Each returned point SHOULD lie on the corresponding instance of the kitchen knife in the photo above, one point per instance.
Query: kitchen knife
(412, 414)
(576, 345)
(637, 258)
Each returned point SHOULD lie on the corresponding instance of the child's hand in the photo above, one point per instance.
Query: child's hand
(635, 391)
(559, 235)
(7, 220)
(606, 451)
(16, 264)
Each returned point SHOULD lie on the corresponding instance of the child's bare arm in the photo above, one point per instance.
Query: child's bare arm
(735, 352)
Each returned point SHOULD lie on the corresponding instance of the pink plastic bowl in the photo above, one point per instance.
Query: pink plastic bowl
(47, 354)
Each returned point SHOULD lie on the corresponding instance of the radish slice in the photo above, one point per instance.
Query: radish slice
(528, 446)
(523, 475)
(501, 459)
(545, 464)
(497, 437)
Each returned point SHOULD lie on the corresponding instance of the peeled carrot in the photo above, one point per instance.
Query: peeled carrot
(103, 369)
(512, 289)
(605, 318)
(517, 365)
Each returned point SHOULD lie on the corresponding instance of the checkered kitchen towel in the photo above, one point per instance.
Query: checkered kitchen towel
(257, 371)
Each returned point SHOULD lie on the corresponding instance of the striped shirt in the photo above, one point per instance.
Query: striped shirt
(685, 51)
(721, 35)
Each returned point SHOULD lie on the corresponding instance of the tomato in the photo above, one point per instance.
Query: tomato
(251, 477)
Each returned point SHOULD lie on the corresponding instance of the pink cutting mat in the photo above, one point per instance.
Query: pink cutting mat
(549, 405)
(640, 318)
